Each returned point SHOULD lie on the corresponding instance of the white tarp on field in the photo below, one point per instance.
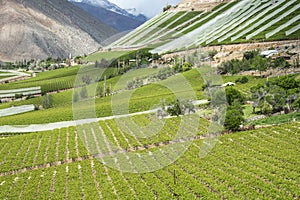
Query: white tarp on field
(16, 110)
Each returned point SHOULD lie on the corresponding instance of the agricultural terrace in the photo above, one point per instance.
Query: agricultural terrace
(228, 23)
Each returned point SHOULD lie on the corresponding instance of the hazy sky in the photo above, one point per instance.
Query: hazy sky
(148, 7)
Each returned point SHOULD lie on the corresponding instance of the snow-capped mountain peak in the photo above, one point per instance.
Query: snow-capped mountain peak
(107, 5)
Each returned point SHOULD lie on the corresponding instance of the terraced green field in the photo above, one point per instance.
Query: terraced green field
(98, 56)
(142, 99)
(49, 81)
(261, 164)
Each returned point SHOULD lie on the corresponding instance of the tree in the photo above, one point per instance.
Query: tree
(248, 55)
(47, 101)
(175, 108)
(296, 104)
(104, 86)
(167, 7)
(233, 120)
(188, 107)
(104, 63)
(266, 108)
(155, 56)
(260, 64)
(280, 62)
(276, 97)
(86, 79)
(233, 95)
(83, 93)
(296, 62)
(232, 66)
(177, 67)
(97, 65)
(258, 94)
(108, 91)
(75, 97)
(212, 53)
(99, 91)
(242, 80)
(186, 66)
(279, 95)
(287, 82)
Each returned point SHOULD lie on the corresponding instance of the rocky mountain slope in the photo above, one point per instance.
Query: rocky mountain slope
(42, 28)
(111, 14)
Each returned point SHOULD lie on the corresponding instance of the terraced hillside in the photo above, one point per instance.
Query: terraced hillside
(260, 164)
(231, 22)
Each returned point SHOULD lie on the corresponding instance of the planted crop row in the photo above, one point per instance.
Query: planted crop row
(40, 149)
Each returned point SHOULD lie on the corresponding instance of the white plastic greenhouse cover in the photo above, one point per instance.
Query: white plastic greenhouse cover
(283, 26)
(16, 110)
(20, 90)
(144, 33)
(292, 30)
(258, 17)
(285, 14)
(165, 29)
(138, 30)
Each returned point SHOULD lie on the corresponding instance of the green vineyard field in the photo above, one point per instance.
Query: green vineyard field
(258, 164)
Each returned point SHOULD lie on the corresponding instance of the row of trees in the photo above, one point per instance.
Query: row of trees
(49, 63)
(133, 59)
(176, 108)
(252, 60)
(180, 107)
(162, 74)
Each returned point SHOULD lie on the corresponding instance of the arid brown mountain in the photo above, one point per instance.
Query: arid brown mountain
(42, 28)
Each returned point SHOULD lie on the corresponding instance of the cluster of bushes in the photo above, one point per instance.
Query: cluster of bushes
(132, 60)
(167, 7)
(162, 74)
(47, 64)
(46, 103)
(136, 83)
(242, 80)
(282, 94)
(186, 66)
(179, 107)
(252, 60)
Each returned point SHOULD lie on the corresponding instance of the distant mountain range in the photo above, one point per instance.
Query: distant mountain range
(112, 15)
(41, 28)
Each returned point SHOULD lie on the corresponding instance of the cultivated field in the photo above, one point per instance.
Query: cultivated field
(260, 164)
